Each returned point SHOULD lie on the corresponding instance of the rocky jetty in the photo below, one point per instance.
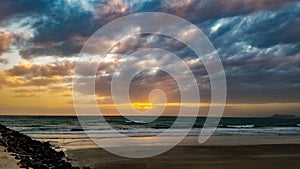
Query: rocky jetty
(32, 153)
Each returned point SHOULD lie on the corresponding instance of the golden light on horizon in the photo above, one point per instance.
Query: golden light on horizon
(142, 106)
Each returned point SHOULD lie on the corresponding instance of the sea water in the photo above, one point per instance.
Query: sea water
(104, 127)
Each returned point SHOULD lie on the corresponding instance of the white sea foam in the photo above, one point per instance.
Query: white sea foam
(241, 126)
(136, 121)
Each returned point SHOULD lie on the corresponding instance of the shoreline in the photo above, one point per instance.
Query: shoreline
(282, 152)
(82, 141)
(219, 152)
(285, 156)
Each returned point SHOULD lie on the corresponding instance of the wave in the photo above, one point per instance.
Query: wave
(134, 132)
(240, 126)
(298, 125)
(135, 121)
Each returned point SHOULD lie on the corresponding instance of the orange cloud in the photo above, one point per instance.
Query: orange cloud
(111, 10)
(46, 70)
(5, 41)
(31, 74)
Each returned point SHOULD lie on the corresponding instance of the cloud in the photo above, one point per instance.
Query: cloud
(143, 82)
(110, 10)
(257, 40)
(25, 95)
(30, 70)
(258, 30)
(24, 90)
(9, 39)
(20, 82)
(259, 51)
(60, 88)
(3, 60)
(57, 26)
(10, 8)
(60, 28)
(203, 10)
(5, 41)
(69, 47)
(30, 74)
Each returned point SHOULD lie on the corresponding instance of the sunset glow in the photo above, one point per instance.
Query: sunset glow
(37, 61)
(142, 106)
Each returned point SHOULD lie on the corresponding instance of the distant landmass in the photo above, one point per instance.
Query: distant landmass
(284, 116)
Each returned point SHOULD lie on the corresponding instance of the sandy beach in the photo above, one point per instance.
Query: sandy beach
(219, 152)
(274, 154)
(6, 160)
(196, 157)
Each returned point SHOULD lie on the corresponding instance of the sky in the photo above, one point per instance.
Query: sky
(258, 42)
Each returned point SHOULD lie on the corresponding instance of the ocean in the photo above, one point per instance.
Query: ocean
(227, 126)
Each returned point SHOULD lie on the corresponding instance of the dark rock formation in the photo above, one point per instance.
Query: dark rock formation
(32, 153)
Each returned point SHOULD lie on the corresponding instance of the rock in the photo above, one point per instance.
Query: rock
(32, 153)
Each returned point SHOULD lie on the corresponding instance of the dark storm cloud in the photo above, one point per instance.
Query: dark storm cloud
(262, 29)
(54, 24)
(258, 44)
(260, 53)
(64, 48)
(9, 8)
(199, 11)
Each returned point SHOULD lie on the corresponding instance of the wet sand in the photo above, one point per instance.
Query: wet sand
(283, 156)
(219, 152)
